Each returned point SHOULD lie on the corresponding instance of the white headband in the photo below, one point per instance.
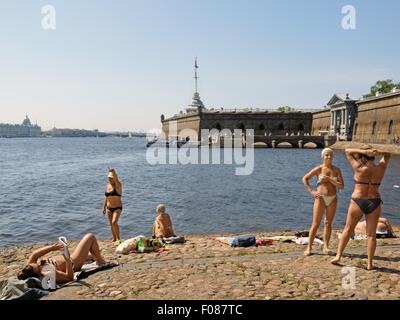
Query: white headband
(325, 150)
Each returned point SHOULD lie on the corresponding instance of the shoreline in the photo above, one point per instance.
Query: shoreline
(204, 268)
(286, 232)
(342, 145)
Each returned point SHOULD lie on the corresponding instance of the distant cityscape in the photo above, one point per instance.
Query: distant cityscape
(28, 130)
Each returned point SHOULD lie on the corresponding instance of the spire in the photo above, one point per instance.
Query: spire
(196, 104)
(195, 73)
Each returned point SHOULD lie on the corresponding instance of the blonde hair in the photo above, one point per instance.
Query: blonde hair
(160, 208)
(324, 151)
(366, 147)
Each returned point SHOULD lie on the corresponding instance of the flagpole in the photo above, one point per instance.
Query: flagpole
(195, 72)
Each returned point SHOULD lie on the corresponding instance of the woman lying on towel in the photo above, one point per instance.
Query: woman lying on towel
(65, 264)
(383, 229)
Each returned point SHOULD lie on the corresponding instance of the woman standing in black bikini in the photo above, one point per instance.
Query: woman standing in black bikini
(112, 202)
(365, 198)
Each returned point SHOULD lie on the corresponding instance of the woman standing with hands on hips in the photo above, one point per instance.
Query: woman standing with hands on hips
(329, 179)
(113, 203)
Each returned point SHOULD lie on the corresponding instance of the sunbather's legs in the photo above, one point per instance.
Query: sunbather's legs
(110, 219)
(114, 224)
(330, 214)
(353, 216)
(318, 213)
(372, 221)
(87, 245)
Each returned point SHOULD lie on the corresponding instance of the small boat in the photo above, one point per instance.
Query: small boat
(150, 142)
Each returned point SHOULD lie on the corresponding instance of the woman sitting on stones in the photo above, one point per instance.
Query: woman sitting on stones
(162, 227)
(329, 179)
(65, 264)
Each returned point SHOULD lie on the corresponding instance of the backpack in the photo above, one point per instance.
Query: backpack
(244, 241)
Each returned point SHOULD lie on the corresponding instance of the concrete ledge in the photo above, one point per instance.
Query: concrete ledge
(341, 145)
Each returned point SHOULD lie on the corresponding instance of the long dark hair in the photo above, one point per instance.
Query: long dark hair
(27, 272)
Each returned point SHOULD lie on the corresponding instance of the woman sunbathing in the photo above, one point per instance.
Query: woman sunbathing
(162, 227)
(65, 264)
(383, 229)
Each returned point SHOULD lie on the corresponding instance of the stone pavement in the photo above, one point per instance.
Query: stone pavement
(203, 268)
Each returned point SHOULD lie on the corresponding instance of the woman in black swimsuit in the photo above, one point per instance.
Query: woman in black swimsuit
(112, 202)
(365, 198)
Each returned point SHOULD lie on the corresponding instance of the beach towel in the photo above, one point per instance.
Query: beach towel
(363, 236)
(172, 240)
(91, 268)
(225, 240)
(263, 242)
(282, 238)
(304, 241)
(15, 289)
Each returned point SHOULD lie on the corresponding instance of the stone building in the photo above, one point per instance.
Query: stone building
(263, 122)
(26, 129)
(321, 122)
(378, 119)
(337, 118)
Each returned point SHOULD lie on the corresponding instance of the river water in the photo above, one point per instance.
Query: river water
(55, 186)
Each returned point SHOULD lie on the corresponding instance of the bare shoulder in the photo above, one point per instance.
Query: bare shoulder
(336, 169)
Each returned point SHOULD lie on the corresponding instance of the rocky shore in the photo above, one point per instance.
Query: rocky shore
(342, 145)
(204, 268)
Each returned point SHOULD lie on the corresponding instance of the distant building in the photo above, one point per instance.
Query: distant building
(264, 122)
(337, 118)
(369, 120)
(26, 129)
(378, 119)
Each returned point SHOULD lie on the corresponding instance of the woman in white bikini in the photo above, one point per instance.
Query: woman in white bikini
(329, 179)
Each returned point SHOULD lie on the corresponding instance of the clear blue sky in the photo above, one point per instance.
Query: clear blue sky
(118, 65)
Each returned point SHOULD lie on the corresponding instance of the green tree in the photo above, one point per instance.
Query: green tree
(382, 86)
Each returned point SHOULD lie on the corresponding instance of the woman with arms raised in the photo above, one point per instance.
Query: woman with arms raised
(365, 199)
(112, 202)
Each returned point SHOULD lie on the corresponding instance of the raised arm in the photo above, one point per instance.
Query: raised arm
(350, 153)
(33, 258)
(385, 159)
(308, 176)
(117, 182)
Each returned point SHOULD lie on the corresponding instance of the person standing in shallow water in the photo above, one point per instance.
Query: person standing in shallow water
(325, 203)
(365, 199)
(113, 203)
